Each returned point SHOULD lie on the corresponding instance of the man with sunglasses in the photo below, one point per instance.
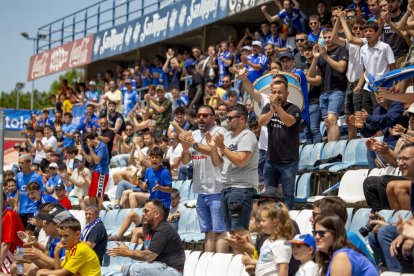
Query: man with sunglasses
(315, 26)
(300, 61)
(79, 180)
(283, 121)
(206, 179)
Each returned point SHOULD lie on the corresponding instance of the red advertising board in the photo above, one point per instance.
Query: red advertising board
(70, 55)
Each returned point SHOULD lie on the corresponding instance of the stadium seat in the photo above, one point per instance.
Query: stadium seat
(203, 263)
(177, 184)
(305, 157)
(303, 221)
(191, 263)
(328, 150)
(185, 190)
(389, 273)
(300, 148)
(348, 221)
(116, 263)
(293, 214)
(404, 214)
(80, 216)
(236, 266)
(340, 148)
(102, 214)
(303, 188)
(315, 154)
(355, 155)
(350, 188)
(219, 262)
(376, 172)
(188, 226)
(109, 221)
(359, 220)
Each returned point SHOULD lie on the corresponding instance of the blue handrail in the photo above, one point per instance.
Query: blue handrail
(101, 15)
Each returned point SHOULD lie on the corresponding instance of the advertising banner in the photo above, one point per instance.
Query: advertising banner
(14, 119)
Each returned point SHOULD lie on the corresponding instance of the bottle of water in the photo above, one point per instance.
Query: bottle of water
(20, 266)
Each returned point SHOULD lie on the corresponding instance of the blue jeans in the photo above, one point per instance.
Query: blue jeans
(313, 132)
(332, 102)
(210, 214)
(380, 244)
(124, 185)
(185, 172)
(260, 167)
(237, 205)
(140, 268)
(120, 160)
(285, 174)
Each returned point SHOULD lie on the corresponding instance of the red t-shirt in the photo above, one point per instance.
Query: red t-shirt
(65, 202)
(11, 224)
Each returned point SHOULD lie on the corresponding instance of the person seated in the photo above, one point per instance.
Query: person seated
(60, 192)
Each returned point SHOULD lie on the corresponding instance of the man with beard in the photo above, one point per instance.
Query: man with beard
(115, 119)
(163, 251)
(224, 60)
(196, 89)
(206, 179)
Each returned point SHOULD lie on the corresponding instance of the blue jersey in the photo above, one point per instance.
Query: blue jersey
(304, 88)
(253, 74)
(68, 128)
(102, 152)
(292, 18)
(146, 81)
(9, 195)
(163, 177)
(53, 181)
(360, 8)
(27, 206)
(276, 41)
(182, 101)
(44, 199)
(129, 100)
(222, 66)
(51, 245)
(91, 96)
(93, 122)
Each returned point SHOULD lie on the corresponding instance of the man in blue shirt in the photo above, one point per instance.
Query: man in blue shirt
(53, 180)
(89, 121)
(68, 129)
(44, 120)
(92, 95)
(255, 62)
(130, 99)
(24, 206)
(99, 157)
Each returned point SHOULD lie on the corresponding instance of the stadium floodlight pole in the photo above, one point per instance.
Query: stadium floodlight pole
(19, 86)
(1, 166)
(34, 39)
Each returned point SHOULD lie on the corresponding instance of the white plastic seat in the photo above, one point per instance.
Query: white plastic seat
(203, 263)
(359, 220)
(351, 187)
(219, 262)
(191, 263)
(236, 266)
(293, 214)
(303, 221)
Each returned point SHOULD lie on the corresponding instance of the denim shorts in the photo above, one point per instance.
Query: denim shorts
(210, 214)
(237, 205)
(332, 102)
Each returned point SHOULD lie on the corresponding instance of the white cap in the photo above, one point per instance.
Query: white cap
(409, 110)
(246, 48)
(257, 43)
(92, 83)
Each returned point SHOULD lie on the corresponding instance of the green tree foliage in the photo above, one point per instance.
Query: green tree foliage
(72, 76)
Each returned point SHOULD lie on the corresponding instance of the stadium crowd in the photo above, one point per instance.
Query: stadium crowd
(191, 115)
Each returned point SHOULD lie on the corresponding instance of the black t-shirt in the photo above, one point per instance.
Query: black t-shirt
(111, 135)
(165, 242)
(300, 61)
(99, 237)
(283, 141)
(112, 121)
(332, 79)
(192, 90)
(396, 42)
(314, 91)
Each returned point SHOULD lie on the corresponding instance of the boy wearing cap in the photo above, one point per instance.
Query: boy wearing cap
(303, 250)
(162, 110)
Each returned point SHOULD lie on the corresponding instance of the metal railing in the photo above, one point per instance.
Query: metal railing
(92, 19)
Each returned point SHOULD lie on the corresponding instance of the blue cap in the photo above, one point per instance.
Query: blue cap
(286, 54)
(306, 239)
(189, 62)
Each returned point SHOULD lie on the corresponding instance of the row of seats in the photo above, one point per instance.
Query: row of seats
(112, 266)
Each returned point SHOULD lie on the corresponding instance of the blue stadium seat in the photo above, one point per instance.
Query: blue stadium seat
(339, 148)
(305, 157)
(115, 263)
(316, 154)
(404, 214)
(355, 155)
(188, 226)
(177, 184)
(386, 214)
(185, 190)
(359, 220)
(303, 188)
(109, 221)
(328, 150)
(350, 211)
(102, 214)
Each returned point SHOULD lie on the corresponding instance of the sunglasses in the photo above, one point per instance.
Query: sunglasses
(229, 118)
(357, 28)
(52, 169)
(300, 40)
(204, 115)
(350, 17)
(320, 233)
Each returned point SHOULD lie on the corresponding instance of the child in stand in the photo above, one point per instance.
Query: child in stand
(303, 250)
(275, 252)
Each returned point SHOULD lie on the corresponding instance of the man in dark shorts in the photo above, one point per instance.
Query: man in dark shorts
(99, 157)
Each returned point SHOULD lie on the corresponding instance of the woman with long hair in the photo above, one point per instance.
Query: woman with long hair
(336, 255)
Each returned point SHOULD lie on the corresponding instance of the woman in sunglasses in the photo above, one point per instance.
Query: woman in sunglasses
(336, 255)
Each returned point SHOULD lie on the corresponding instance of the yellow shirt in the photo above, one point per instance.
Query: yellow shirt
(82, 260)
(67, 106)
(219, 91)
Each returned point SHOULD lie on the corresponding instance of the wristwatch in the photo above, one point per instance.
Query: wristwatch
(195, 146)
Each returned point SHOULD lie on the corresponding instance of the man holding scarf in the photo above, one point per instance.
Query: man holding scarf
(94, 234)
(225, 61)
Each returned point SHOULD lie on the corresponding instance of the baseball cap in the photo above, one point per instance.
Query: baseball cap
(257, 43)
(159, 87)
(128, 81)
(60, 186)
(306, 239)
(57, 214)
(246, 48)
(189, 62)
(286, 54)
(92, 83)
(53, 165)
(269, 195)
(409, 110)
(79, 157)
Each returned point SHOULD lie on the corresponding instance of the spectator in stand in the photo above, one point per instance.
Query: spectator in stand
(48, 142)
(106, 135)
(332, 61)
(316, 29)
(54, 179)
(68, 129)
(196, 89)
(99, 157)
(275, 39)
(374, 10)
(44, 119)
(113, 95)
(224, 91)
(313, 133)
(115, 119)
(162, 253)
(224, 61)
(386, 115)
(174, 151)
(130, 100)
(255, 62)
(336, 255)
(91, 96)
(197, 54)
(179, 99)
(11, 186)
(283, 122)
(60, 192)
(324, 16)
(158, 75)
(145, 73)
(179, 118)
(162, 109)
(206, 179)
(222, 111)
(209, 69)
(360, 7)
(271, 55)
(79, 181)
(173, 71)
(24, 206)
(300, 60)
(11, 224)
(398, 40)
(88, 123)
(239, 156)
(94, 234)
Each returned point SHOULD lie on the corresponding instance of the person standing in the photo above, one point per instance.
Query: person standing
(206, 179)
(238, 154)
(282, 119)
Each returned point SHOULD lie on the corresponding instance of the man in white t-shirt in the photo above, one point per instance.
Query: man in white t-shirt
(114, 95)
(206, 179)
(49, 142)
(174, 151)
